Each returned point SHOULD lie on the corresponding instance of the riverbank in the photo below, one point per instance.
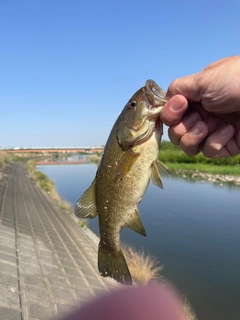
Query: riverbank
(47, 185)
(220, 179)
(206, 173)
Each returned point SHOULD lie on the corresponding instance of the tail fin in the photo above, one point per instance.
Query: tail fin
(113, 265)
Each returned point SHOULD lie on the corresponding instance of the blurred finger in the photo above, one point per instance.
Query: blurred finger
(216, 145)
(191, 141)
(176, 132)
(148, 302)
(174, 110)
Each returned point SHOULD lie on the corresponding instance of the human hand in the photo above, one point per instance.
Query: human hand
(155, 302)
(203, 111)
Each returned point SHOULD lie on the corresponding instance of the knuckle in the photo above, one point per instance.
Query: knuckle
(173, 88)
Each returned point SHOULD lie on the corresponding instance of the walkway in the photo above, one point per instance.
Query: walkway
(47, 262)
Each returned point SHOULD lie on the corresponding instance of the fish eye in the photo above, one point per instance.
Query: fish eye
(132, 104)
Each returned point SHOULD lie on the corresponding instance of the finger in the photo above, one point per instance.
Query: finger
(216, 145)
(190, 87)
(147, 302)
(176, 132)
(191, 141)
(174, 110)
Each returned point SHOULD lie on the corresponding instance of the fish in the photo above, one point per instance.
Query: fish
(129, 161)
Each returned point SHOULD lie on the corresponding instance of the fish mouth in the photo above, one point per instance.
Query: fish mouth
(155, 95)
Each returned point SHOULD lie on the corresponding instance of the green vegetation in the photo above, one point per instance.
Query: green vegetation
(6, 158)
(31, 166)
(42, 180)
(212, 169)
(47, 185)
(173, 157)
(3, 159)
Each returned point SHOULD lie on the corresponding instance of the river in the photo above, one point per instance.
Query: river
(193, 228)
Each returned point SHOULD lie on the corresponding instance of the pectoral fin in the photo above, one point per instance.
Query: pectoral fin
(162, 168)
(157, 168)
(125, 164)
(135, 223)
(86, 205)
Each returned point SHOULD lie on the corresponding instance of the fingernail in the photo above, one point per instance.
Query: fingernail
(226, 129)
(195, 130)
(176, 106)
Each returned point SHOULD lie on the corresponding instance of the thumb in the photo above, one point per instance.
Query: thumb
(188, 87)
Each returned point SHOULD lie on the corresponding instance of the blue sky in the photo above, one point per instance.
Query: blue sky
(67, 67)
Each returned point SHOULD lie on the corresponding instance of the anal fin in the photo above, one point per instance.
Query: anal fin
(135, 223)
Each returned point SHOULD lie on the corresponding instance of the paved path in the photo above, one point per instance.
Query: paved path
(47, 262)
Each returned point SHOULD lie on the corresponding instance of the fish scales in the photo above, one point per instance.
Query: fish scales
(129, 160)
(120, 205)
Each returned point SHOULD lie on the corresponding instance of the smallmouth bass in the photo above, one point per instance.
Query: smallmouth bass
(129, 162)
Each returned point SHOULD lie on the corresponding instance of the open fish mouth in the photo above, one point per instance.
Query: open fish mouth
(155, 95)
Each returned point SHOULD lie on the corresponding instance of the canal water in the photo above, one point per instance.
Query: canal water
(193, 228)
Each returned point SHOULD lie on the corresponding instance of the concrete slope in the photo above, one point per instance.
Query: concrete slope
(47, 262)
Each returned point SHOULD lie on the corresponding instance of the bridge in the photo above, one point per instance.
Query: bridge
(55, 150)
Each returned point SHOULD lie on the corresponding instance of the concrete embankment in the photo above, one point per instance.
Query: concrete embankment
(48, 263)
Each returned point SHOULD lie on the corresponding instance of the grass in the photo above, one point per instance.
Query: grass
(173, 157)
(203, 167)
(4, 158)
(47, 185)
(190, 314)
(82, 223)
(143, 268)
(42, 180)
